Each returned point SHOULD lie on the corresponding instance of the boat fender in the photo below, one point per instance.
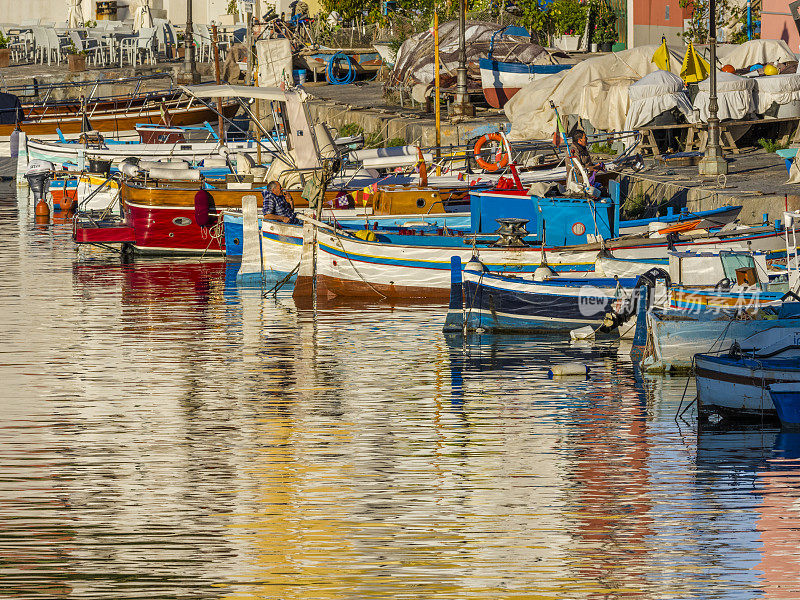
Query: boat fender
(475, 265)
(14, 141)
(582, 333)
(570, 369)
(366, 235)
(129, 167)
(501, 158)
(542, 272)
(203, 207)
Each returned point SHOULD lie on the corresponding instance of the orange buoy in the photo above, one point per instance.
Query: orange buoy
(42, 209)
(728, 69)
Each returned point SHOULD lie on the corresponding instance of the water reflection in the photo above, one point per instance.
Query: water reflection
(168, 434)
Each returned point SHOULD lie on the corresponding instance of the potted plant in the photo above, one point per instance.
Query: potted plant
(605, 28)
(568, 20)
(76, 59)
(5, 53)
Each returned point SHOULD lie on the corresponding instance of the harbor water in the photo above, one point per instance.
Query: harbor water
(168, 435)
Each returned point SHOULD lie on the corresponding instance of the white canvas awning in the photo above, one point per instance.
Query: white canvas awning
(235, 91)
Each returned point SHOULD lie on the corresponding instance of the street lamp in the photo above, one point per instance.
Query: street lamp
(188, 55)
(461, 106)
(713, 162)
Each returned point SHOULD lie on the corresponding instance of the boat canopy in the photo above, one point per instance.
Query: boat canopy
(235, 91)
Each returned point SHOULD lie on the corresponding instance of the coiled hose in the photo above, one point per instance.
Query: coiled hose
(350, 77)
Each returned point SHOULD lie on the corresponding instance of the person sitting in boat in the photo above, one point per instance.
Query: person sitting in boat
(580, 152)
(276, 206)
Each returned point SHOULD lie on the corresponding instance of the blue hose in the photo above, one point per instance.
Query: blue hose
(351, 72)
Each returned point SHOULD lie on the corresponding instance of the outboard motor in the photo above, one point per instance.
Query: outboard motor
(630, 307)
(38, 175)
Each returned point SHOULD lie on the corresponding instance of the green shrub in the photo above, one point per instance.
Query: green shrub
(771, 145)
(350, 129)
(603, 149)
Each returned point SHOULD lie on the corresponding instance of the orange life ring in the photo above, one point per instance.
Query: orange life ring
(501, 158)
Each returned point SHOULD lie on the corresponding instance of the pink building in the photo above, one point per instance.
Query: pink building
(777, 23)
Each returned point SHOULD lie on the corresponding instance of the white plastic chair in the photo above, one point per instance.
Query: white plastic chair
(56, 44)
(41, 45)
(143, 44)
(90, 47)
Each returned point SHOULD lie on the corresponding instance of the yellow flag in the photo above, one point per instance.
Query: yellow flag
(695, 68)
(661, 56)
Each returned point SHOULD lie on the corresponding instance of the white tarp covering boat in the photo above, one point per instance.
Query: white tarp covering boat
(754, 52)
(735, 96)
(595, 89)
(780, 90)
(653, 95)
(414, 64)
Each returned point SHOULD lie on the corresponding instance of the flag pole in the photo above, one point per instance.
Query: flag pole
(437, 103)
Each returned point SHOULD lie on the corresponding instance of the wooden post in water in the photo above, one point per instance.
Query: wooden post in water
(215, 43)
(436, 90)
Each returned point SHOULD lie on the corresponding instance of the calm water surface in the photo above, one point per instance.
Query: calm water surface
(166, 435)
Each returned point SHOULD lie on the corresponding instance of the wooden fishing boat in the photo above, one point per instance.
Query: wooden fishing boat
(181, 113)
(498, 303)
(734, 384)
(74, 107)
(500, 80)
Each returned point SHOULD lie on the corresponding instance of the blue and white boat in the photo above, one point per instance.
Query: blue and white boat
(547, 303)
(734, 384)
(786, 398)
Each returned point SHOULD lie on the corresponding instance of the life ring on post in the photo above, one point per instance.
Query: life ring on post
(501, 158)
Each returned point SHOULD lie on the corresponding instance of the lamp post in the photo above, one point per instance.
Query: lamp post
(461, 106)
(713, 162)
(190, 68)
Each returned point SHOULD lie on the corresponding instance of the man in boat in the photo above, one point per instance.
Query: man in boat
(276, 206)
(580, 152)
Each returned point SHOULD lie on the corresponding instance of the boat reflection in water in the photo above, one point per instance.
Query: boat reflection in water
(176, 436)
(751, 482)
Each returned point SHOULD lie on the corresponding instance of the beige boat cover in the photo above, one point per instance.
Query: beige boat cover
(654, 94)
(595, 89)
(735, 96)
(754, 52)
(779, 89)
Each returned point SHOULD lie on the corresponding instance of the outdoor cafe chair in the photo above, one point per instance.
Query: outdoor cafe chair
(92, 48)
(142, 44)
